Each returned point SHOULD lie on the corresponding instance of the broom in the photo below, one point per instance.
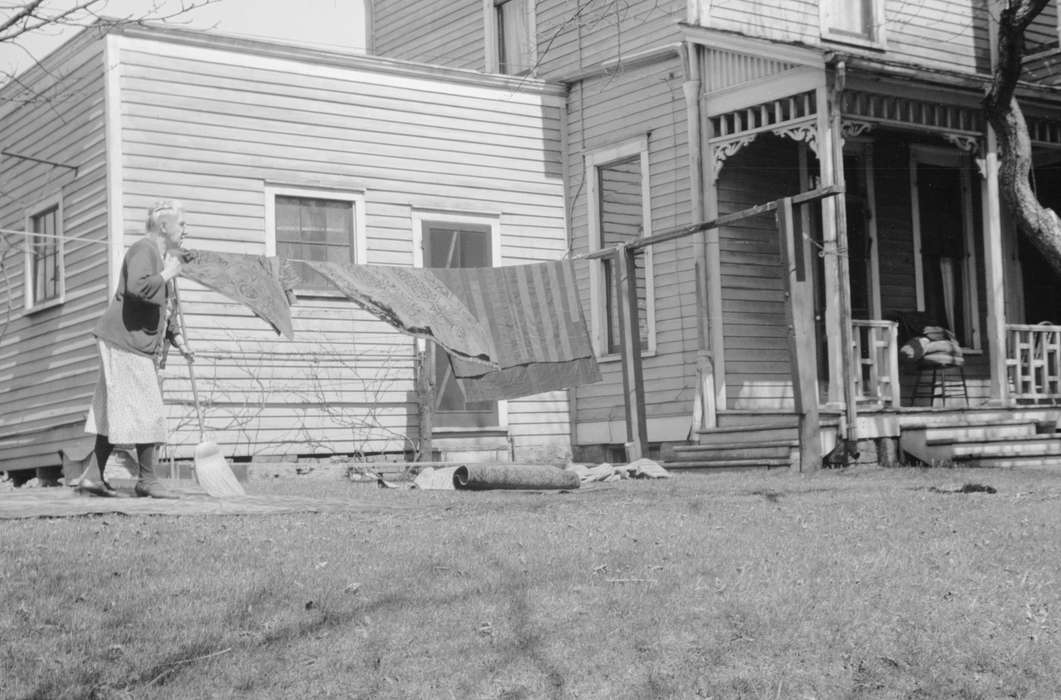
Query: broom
(211, 469)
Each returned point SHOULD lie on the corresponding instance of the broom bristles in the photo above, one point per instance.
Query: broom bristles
(213, 473)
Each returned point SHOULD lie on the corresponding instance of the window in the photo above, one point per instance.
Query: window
(449, 238)
(619, 213)
(45, 276)
(510, 37)
(853, 21)
(314, 226)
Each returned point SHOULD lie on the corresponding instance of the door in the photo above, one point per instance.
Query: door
(457, 246)
(943, 236)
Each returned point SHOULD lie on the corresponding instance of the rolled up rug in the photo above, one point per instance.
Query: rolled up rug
(481, 477)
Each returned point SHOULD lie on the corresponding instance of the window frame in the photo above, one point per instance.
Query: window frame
(598, 294)
(491, 12)
(422, 219)
(356, 200)
(828, 33)
(44, 206)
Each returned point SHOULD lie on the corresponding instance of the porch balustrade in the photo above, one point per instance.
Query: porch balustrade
(1033, 362)
(876, 360)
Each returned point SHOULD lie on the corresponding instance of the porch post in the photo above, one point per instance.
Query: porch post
(994, 273)
(704, 408)
(833, 321)
(713, 266)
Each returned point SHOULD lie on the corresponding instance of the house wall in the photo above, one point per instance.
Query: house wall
(215, 123)
(756, 346)
(929, 33)
(575, 37)
(48, 358)
(602, 115)
(449, 33)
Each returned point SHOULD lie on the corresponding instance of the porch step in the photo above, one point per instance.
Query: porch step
(991, 442)
(987, 431)
(730, 464)
(1025, 445)
(754, 433)
(745, 447)
(1018, 461)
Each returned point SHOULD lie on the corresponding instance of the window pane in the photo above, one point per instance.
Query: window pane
(516, 56)
(45, 263)
(621, 219)
(853, 17)
(313, 229)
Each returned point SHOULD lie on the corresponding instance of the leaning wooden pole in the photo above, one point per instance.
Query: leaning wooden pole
(799, 311)
(625, 276)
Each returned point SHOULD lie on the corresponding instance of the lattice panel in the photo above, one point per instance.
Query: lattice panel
(764, 116)
(1045, 131)
(911, 112)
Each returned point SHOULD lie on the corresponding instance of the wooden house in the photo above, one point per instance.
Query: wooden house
(274, 149)
(680, 112)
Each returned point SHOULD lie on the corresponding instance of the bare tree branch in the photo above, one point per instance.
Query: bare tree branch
(1039, 224)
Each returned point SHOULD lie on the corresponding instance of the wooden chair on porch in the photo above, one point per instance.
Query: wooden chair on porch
(938, 361)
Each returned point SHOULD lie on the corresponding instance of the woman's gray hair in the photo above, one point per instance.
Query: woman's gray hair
(160, 209)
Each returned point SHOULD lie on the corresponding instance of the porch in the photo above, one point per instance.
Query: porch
(894, 427)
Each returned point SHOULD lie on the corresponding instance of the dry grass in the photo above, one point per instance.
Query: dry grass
(859, 584)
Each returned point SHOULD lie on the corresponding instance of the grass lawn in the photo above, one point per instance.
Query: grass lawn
(865, 583)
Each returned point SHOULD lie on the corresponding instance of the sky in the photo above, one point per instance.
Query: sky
(328, 24)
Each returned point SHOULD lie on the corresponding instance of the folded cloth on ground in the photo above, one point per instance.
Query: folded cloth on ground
(643, 468)
(535, 320)
(262, 284)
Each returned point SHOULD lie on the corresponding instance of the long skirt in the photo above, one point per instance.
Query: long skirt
(127, 403)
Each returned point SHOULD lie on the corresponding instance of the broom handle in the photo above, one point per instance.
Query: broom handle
(191, 365)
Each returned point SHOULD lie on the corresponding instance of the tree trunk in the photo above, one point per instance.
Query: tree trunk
(1037, 223)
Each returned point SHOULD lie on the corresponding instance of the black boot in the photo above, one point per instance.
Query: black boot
(92, 481)
(148, 485)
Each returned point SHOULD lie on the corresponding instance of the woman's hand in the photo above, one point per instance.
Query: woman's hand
(171, 267)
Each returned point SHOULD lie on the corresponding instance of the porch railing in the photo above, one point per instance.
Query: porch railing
(876, 356)
(1033, 362)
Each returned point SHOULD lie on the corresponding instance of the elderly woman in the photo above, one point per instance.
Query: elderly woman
(127, 405)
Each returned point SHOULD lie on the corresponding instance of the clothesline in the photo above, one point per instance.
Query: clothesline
(52, 235)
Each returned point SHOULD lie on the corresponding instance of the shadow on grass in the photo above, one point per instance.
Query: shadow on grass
(528, 646)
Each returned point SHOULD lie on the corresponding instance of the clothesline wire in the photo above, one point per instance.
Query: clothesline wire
(56, 236)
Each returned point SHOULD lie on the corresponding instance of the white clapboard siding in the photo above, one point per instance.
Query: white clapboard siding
(931, 33)
(603, 114)
(212, 126)
(576, 36)
(47, 358)
(445, 33)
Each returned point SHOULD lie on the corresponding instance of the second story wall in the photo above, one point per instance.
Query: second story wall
(938, 34)
(572, 39)
(447, 33)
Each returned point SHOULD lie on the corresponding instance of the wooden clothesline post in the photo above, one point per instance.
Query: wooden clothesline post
(799, 311)
(625, 276)
(804, 362)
